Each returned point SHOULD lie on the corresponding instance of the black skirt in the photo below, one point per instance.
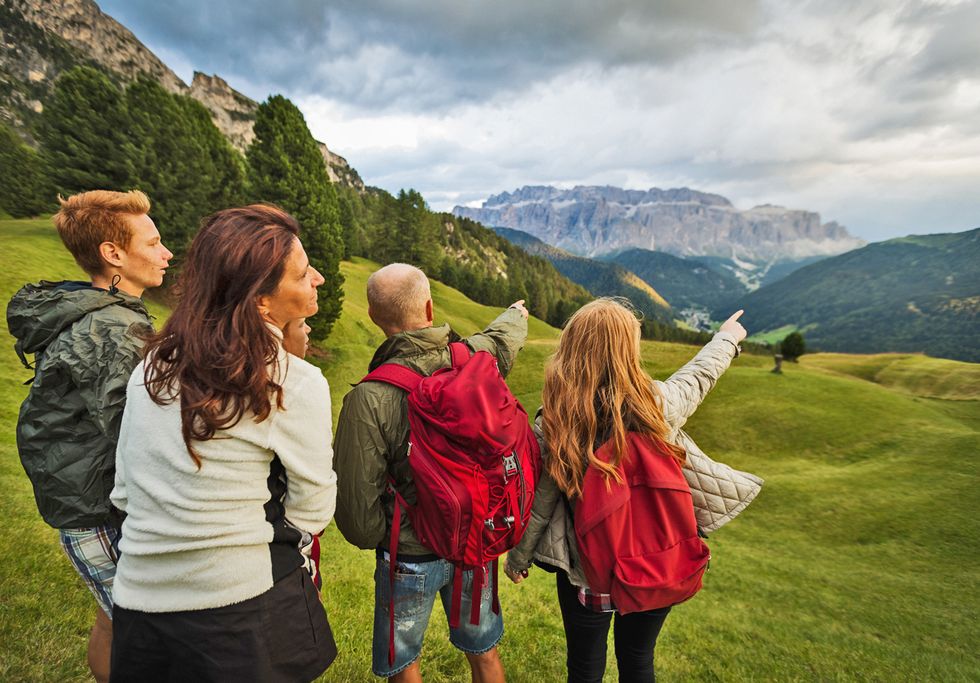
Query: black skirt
(281, 635)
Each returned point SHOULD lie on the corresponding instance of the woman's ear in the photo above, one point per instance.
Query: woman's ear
(262, 303)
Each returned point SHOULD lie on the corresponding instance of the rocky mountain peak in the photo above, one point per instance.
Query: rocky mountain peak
(596, 220)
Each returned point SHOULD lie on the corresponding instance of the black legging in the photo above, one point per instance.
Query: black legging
(635, 636)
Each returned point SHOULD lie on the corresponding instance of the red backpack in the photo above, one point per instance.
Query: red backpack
(638, 540)
(475, 464)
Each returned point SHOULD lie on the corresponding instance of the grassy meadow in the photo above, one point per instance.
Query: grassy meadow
(858, 561)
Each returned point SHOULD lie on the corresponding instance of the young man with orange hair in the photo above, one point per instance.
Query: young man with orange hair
(85, 337)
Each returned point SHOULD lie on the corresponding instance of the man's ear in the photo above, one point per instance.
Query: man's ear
(428, 311)
(111, 254)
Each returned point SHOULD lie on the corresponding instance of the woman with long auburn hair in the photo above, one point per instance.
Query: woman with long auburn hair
(597, 395)
(224, 470)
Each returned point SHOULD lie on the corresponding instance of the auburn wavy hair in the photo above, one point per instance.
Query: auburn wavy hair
(215, 352)
(595, 390)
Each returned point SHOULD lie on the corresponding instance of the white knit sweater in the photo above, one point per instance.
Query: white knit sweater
(196, 539)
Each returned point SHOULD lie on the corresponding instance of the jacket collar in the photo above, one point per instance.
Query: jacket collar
(408, 345)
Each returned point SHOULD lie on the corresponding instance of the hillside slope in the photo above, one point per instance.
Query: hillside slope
(599, 277)
(842, 569)
(684, 283)
(918, 294)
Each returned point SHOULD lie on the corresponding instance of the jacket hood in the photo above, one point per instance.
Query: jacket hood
(38, 313)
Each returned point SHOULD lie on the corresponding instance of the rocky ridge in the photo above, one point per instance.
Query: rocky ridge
(40, 39)
(593, 220)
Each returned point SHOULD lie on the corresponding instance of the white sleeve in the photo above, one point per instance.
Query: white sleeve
(684, 390)
(301, 436)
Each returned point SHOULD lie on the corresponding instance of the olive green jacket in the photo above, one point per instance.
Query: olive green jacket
(372, 431)
(85, 345)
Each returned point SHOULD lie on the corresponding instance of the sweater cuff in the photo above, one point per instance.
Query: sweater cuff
(730, 338)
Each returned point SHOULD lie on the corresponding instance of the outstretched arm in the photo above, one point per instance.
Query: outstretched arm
(685, 389)
(504, 337)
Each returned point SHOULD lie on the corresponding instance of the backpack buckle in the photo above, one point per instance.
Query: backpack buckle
(510, 463)
(509, 521)
(488, 523)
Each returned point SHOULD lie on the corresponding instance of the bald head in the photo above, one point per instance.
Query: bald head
(399, 298)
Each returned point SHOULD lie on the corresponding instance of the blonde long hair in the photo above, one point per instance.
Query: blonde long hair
(595, 387)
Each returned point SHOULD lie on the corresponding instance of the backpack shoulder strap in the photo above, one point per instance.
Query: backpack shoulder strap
(460, 353)
(395, 374)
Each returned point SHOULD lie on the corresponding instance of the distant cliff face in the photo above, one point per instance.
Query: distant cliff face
(40, 39)
(600, 220)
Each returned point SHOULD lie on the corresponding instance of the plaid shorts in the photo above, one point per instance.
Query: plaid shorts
(94, 553)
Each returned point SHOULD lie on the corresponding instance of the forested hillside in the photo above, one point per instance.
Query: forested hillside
(912, 294)
(683, 282)
(599, 277)
(96, 134)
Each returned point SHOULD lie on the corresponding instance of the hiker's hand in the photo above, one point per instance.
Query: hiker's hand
(516, 577)
(519, 305)
(733, 326)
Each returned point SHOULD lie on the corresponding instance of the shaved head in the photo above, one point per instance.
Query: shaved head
(399, 298)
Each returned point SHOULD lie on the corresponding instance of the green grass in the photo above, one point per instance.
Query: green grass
(912, 374)
(772, 336)
(858, 561)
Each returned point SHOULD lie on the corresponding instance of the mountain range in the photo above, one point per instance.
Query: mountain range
(595, 221)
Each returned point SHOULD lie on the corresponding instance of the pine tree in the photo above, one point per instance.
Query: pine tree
(285, 167)
(182, 161)
(24, 189)
(84, 134)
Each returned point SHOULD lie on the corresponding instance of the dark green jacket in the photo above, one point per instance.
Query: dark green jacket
(372, 431)
(85, 348)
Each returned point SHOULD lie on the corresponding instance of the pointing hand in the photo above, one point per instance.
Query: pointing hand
(733, 326)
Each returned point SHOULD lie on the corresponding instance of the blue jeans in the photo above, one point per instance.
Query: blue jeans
(416, 586)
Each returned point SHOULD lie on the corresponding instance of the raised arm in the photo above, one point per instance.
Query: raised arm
(504, 337)
(685, 389)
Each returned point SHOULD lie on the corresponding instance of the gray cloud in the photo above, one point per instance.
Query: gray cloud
(425, 55)
(867, 112)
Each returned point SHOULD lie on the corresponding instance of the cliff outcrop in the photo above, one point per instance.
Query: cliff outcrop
(40, 39)
(592, 221)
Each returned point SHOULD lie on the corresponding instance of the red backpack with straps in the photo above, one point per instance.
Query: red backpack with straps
(638, 539)
(475, 464)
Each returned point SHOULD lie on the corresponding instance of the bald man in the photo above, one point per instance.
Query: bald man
(372, 444)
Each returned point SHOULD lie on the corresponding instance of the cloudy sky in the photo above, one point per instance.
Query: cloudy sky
(868, 112)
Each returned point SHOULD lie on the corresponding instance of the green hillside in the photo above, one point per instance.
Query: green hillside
(856, 563)
(918, 294)
(599, 277)
(683, 282)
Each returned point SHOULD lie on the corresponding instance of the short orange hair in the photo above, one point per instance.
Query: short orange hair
(88, 219)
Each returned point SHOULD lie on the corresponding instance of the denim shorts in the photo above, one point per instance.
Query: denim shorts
(94, 553)
(416, 587)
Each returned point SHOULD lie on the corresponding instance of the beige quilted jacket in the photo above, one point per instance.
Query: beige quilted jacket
(719, 492)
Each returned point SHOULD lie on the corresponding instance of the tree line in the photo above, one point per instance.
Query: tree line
(96, 133)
